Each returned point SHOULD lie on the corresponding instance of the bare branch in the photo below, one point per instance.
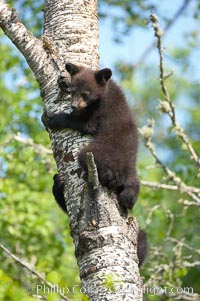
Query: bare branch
(31, 47)
(147, 132)
(37, 147)
(167, 107)
(170, 109)
(188, 203)
(172, 175)
(182, 243)
(166, 28)
(170, 216)
(30, 268)
(169, 187)
(191, 264)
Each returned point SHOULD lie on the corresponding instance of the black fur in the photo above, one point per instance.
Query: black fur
(142, 246)
(58, 191)
(59, 196)
(100, 109)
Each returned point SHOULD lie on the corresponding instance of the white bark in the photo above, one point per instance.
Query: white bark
(105, 238)
(107, 246)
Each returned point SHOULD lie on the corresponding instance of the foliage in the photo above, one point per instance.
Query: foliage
(32, 226)
(174, 242)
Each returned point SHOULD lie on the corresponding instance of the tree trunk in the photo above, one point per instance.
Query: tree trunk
(105, 238)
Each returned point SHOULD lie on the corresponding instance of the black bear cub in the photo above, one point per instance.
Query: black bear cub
(100, 109)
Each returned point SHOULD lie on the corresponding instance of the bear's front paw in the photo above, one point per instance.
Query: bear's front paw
(49, 120)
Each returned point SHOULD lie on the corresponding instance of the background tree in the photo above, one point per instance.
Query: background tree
(102, 251)
(169, 215)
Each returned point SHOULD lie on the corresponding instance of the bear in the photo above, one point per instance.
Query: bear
(99, 108)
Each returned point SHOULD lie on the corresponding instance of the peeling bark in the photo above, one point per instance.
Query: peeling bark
(105, 237)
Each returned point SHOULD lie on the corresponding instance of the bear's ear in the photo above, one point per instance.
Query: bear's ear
(72, 69)
(103, 75)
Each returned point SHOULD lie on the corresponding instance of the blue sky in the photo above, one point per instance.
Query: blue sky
(139, 39)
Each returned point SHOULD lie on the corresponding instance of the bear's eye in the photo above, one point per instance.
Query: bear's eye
(85, 95)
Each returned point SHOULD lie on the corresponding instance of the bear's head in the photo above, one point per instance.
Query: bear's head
(87, 86)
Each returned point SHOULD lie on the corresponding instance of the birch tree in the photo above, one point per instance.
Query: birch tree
(105, 237)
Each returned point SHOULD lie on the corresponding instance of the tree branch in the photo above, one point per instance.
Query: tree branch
(167, 106)
(32, 48)
(182, 243)
(30, 268)
(169, 187)
(147, 132)
(172, 175)
(39, 148)
(166, 28)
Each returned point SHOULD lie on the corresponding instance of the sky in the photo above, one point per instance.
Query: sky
(139, 39)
